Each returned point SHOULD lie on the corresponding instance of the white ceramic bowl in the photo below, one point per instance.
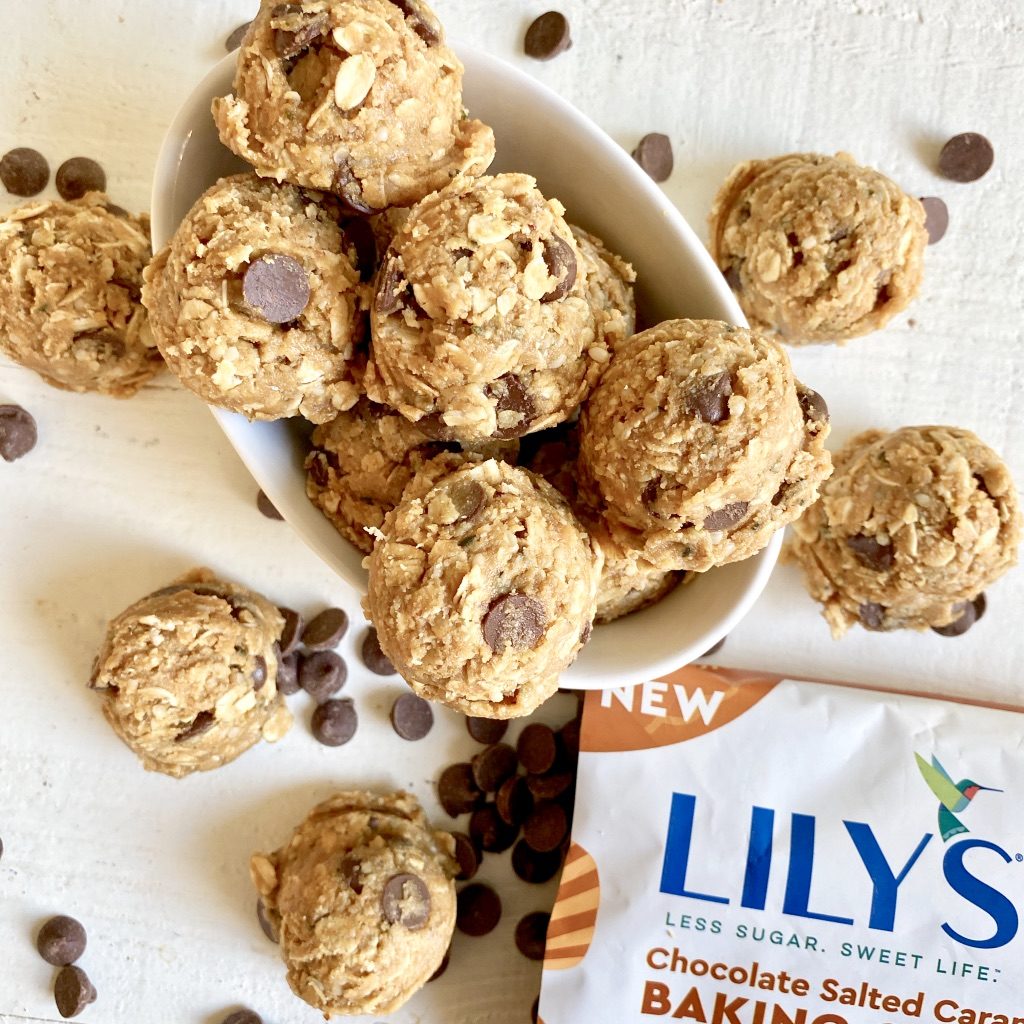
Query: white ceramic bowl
(603, 190)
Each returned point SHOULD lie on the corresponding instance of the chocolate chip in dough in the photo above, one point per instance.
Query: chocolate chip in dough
(266, 506)
(457, 790)
(243, 1017)
(968, 614)
(546, 827)
(467, 497)
(277, 287)
(326, 630)
(548, 36)
(259, 672)
(724, 518)
(511, 395)
(936, 218)
(654, 155)
(561, 264)
(533, 867)
(479, 910)
(373, 657)
(491, 767)
(73, 991)
(421, 21)
(406, 901)
(24, 172)
(709, 398)
(266, 923)
(467, 856)
(536, 748)
(18, 432)
(411, 717)
(870, 552)
(292, 44)
(358, 236)
(347, 187)
(203, 722)
(813, 406)
(514, 620)
(61, 941)
(322, 674)
(335, 722)
(531, 934)
(79, 175)
(292, 632)
(234, 41)
(486, 730)
(872, 615)
(966, 157)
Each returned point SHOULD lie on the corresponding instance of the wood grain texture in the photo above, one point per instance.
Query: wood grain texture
(119, 497)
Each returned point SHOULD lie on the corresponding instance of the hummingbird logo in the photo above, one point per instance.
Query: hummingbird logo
(954, 797)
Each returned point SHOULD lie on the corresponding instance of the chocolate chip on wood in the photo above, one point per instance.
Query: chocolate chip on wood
(79, 175)
(654, 155)
(479, 910)
(411, 717)
(326, 630)
(73, 991)
(18, 432)
(61, 941)
(24, 172)
(548, 36)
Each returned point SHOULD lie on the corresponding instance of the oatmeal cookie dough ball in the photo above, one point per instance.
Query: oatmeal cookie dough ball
(70, 280)
(357, 97)
(188, 675)
(610, 282)
(363, 900)
(701, 442)
(482, 325)
(483, 590)
(818, 248)
(256, 302)
(912, 526)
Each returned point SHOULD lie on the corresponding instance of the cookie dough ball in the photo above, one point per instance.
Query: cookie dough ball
(363, 901)
(483, 590)
(609, 288)
(912, 526)
(188, 675)
(70, 280)
(256, 302)
(482, 325)
(357, 97)
(700, 440)
(818, 248)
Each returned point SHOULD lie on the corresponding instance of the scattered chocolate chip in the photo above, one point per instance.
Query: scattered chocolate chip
(561, 264)
(203, 722)
(936, 218)
(967, 615)
(511, 395)
(980, 607)
(569, 735)
(514, 620)
(406, 901)
(411, 717)
(243, 1017)
(709, 398)
(269, 929)
(532, 933)
(654, 155)
(514, 801)
(872, 615)
(489, 831)
(373, 657)
(486, 730)
(79, 175)
(347, 187)
(293, 626)
(467, 856)
(724, 518)
(548, 36)
(358, 236)
(457, 790)
(325, 631)
(492, 766)
(277, 287)
(966, 157)
(546, 827)
(715, 648)
(24, 172)
(234, 41)
(259, 672)
(479, 909)
(266, 506)
(61, 941)
(73, 991)
(292, 44)
(288, 674)
(535, 867)
(423, 23)
(870, 552)
(813, 406)
(467, 496)
(18, 432)
(322, 674)
(550, 785)
(335, 722)
(536, 748)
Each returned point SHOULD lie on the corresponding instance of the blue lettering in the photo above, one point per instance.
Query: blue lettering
(983, 896)
(759, 858)
(801, 867)
(886, 884)
(677, 850)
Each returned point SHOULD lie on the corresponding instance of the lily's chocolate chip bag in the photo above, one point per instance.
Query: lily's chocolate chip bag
(749, 849)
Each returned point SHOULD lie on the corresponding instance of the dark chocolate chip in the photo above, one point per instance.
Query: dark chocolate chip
(325, 631)
(266, 506)
(546, 827)
(532, 933)
(724, 518)
(715, 648)
(243, 1017)
(203, 722)
(350, 869)
(709, 398)
(511, 395)
(486, 730)
(536, 748)
(61, 941)
(479, 909)
(73, 991)
(318, 466)
(561, 264)
(288, 674)
(490, 831)
(569, 735)
(234, 41)
(259, 672)
(493, 765)
(967, 616)
(293, 626)
(266, 923)
(348, 188)
(872, 616)
(390, 289)
(373, 657)
(467, 496)
(813, 406)
(467, 856)
(514, 620)
(535, 867)
(654, 154)
(358, 237)
(732, 277)
(980, 607)
(24, 172)
(322, 674)
(550, 785)
(335, 722)
(422, 22)
(406, 901)
(457, 790)
(120, 211)
(277, 287)
(649, 495)
(966, 157)
(79, 175)
(291, 44)
(871, 553)
(411, 717)
(548, 36)
(18, 432)
(514, 801)
(461, 253)
(936, 218)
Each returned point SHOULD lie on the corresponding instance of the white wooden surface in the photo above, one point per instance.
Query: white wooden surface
(119, 497)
